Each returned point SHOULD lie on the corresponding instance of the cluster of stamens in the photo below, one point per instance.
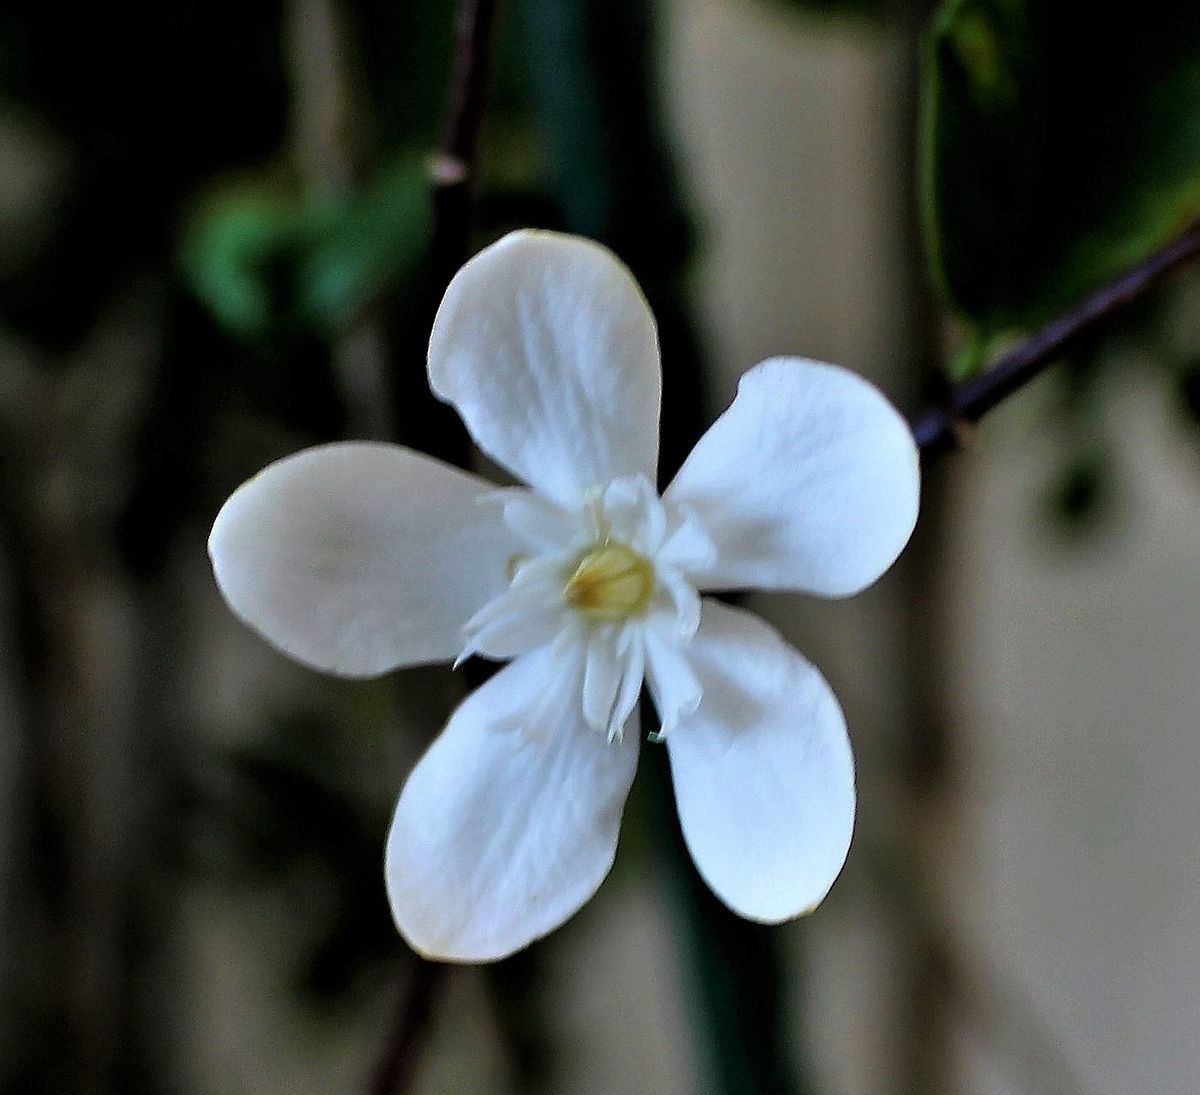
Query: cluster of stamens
(605, 590)
(611, 582)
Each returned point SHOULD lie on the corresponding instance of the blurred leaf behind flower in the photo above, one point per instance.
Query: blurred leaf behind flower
(1062, 146)
(266, 259)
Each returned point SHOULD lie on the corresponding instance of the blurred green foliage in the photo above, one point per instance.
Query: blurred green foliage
(1062, 145)
(265, 259)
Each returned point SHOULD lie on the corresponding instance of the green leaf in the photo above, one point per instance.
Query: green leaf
(235, 250)
(265, 259)
(1062, 145)
(361, 248)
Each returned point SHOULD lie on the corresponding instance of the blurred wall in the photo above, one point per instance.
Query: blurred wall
(1069, 877)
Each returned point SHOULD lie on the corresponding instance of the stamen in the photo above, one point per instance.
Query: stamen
(593, 507)
(610, 582)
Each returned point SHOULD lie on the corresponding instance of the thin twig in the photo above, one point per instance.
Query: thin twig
(452, 178)
(424, 422)
(939, 430)
(453, 169)
(396, 1068)
(461, 126)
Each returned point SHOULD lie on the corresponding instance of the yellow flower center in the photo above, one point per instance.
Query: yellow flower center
(612, 581)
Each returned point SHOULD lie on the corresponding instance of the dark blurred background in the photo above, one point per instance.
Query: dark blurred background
(219, 244)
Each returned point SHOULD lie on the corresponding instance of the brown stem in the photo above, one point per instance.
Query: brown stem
(939, 430)
(453, 170)
(423, 421)
(452, 178)
(396, 1068)
(468, 82)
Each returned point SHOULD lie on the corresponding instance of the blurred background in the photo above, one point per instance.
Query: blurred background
(219, 244)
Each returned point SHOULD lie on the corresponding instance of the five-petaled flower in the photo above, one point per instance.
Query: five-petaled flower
(358, 558)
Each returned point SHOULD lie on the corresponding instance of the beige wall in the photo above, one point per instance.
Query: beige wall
(1074, 880)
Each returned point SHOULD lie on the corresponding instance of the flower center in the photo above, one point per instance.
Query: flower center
(611, 581)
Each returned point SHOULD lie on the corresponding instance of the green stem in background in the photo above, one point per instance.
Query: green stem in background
(590, 64)
(922, 1026)
(940, 429)
(593, 83)
(748, 1045)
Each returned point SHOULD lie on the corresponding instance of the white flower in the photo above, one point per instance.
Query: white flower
(358, 558)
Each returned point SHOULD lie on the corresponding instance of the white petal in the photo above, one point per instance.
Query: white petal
(632, 649)
(612, 678)
(688, 548)
(499, 837)
(546, 347)
(508, 626)
(764, 778)
(808, 481)
(528, 614)
(674, 685)
(635, 514)
(680, 598)
(357, 558)
(539, 523)
(601, 678)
